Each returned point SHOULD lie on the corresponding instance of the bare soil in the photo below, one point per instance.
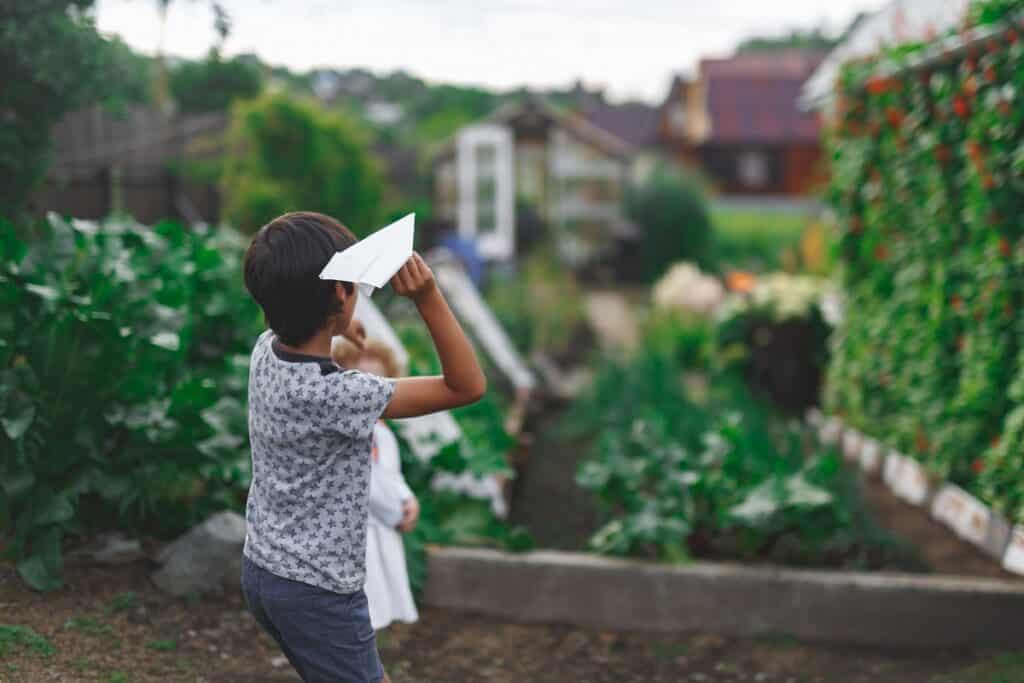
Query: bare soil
(941, 550)
(112, 625)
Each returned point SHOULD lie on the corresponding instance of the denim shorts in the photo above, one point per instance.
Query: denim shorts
(325, 635)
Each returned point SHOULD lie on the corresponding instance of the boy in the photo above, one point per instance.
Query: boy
(310, 427)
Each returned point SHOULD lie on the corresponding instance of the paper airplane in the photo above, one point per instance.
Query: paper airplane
(371, 262)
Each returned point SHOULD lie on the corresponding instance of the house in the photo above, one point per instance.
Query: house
(532, 162)
(739, 122)
(636, 123)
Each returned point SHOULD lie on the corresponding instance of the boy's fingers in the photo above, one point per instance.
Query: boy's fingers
(405, 277)
(416, 266)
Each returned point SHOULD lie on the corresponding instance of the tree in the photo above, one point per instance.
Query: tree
(212, 84)
(54, 62)
(286, 154)
(811, 39)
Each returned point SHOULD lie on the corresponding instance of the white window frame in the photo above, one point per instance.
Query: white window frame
(499, 244)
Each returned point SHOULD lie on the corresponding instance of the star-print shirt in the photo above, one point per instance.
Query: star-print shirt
(311, 429)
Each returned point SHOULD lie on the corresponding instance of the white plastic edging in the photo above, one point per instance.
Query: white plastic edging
(1013, 559)
(871, 457)
(957, 510)
(963, 513)
(851, 444)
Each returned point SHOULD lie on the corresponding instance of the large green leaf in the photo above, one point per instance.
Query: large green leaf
(760, 504)
(17, 483)
(53, 509)
(43, 569)
(17, 422)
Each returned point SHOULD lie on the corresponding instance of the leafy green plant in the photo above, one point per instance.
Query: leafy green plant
(721, 477)
(123, 368)
(926, 184)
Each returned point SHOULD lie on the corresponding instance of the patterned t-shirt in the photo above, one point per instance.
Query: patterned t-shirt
(310, 428)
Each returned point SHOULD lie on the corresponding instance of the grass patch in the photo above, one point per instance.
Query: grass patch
(163, 645)
(1004, 668)
(18, 638)
(124, 601)
(756, 240)
(93, 627)
(118, 677)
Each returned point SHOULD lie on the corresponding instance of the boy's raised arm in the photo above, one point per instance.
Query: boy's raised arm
(463, 380)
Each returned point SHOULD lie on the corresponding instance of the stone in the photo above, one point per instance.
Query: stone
(204, 559)
(110, 549)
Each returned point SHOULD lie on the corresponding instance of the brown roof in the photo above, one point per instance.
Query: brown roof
(535, 110)
(753, 97)
(634, 122)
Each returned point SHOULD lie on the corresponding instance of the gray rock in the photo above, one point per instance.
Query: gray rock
(205, 559)
(110, 549)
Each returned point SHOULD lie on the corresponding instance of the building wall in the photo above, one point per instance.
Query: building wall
(585, 198)
(788, 170)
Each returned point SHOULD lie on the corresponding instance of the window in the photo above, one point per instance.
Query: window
(752, 169)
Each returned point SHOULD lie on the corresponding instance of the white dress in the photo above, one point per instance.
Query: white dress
(387, 580)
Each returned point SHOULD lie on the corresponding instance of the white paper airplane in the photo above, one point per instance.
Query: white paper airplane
(371, 262)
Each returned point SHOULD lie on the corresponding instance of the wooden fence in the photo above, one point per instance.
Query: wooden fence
(132, 162)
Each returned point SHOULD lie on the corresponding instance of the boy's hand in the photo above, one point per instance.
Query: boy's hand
(415, 279)
(410, 515)
(356, 334)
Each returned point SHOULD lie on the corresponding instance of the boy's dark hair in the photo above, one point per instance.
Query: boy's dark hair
(282, 272)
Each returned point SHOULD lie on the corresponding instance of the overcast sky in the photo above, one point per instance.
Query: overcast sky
(631, 47)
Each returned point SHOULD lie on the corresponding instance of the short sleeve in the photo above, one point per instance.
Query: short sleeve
(362, 400)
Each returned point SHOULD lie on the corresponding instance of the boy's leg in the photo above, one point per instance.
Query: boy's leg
(328, 633)
(251, 575)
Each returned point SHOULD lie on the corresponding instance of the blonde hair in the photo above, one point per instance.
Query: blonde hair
(348, 355)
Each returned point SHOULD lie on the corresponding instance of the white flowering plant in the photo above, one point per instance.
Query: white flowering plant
(684, 288)
(776, 336)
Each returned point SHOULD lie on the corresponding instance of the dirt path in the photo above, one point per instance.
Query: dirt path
(110, 625)
(611, 316)
(546, 500)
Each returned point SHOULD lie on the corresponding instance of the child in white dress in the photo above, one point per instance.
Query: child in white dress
(393, 506)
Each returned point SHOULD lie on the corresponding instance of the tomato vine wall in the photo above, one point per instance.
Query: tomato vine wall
(928, 188)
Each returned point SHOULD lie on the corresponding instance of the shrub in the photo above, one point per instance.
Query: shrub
(286, 154)
(927, 186)
(123, 370)
(671, 210)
